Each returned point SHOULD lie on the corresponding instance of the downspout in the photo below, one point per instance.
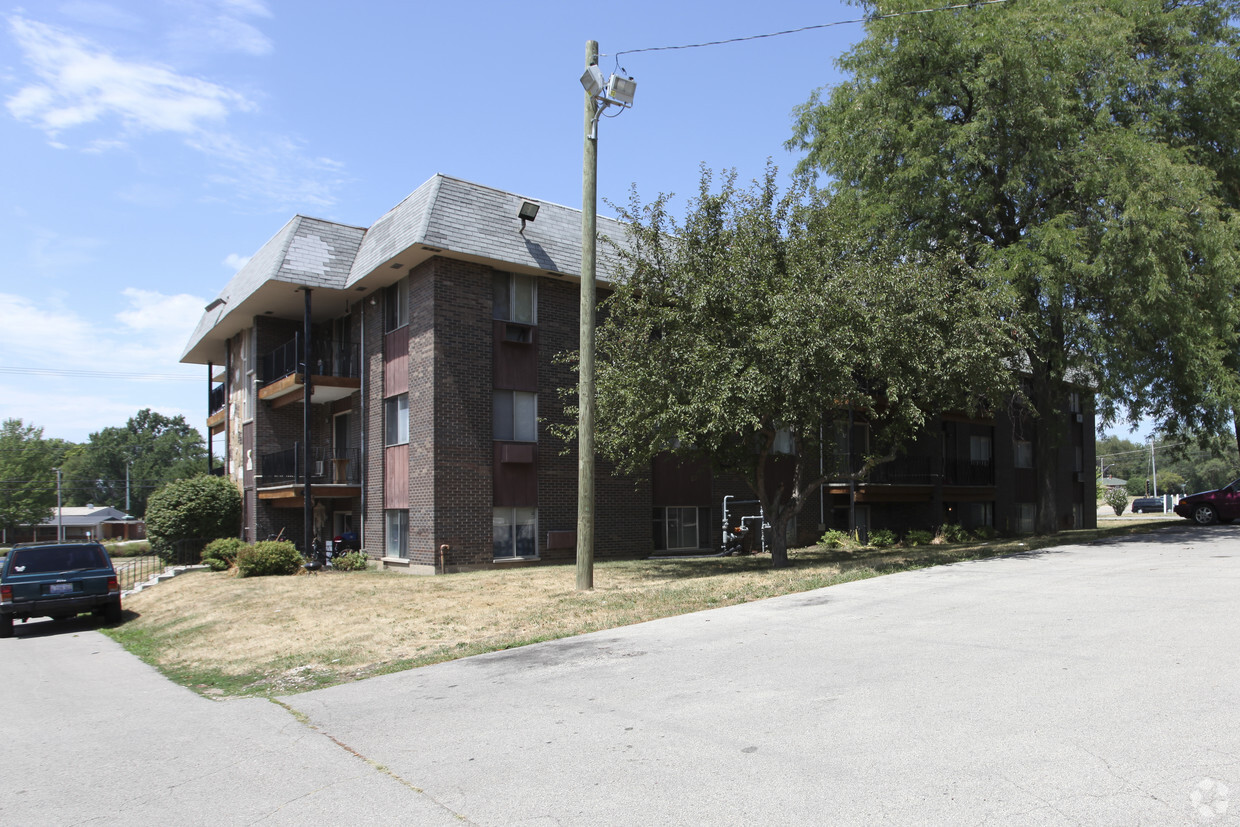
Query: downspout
(363, 459)
(210, 441)
(307, 392)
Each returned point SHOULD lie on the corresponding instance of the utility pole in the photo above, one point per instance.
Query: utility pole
(127, 487)
(585, 392)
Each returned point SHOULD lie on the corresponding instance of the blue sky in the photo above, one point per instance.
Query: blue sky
(152, 145)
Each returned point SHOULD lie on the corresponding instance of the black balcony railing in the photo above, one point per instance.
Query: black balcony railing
(215, 402)
(899, 471)
(327, 358)
(326, 467)
(968, 472)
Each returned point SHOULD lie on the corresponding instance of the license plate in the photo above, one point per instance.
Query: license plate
(60, 588)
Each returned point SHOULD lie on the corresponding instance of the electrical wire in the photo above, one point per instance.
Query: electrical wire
(100, 374)
(869, 19)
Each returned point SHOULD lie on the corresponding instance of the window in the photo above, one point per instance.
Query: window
(516, 298)
(783, 442)
(516, 416)
(981, 514)
(1025, 513)
(247, 375)
(681, 527)
(1023, 454)
(1074, 402)
(979, 449)
(396, 306)
(396, 533)
(514, 533)
(1078, 458)
(396, 420)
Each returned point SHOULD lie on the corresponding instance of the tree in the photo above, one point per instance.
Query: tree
(1085, 153)
(151, 449)
(737, 335)
(27, 474)
(199, 507)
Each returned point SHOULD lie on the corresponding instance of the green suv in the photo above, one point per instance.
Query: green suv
(57, 581)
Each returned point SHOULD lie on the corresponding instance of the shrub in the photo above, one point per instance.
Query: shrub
(953, 533)
(221, 554)
(201, 507)
(1117, 498)
(834, 538)
(352, 561)
(917, 537)
(985, 533)
(268, 557)
(128, 549)
(882, 538)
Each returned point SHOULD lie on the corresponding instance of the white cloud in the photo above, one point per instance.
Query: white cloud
(235, 262)
(77, 84)
(142, 343)
(80, 83)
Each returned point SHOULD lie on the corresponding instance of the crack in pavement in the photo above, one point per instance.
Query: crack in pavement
(304, 720)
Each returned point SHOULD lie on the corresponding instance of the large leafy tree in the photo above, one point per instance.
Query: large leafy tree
(27, 474)
(152, 448)
(1082, 151)
(740, 333)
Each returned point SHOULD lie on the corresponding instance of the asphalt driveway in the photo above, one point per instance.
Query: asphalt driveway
(1091, 684)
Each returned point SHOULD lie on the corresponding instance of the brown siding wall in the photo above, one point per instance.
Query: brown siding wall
(396, 476)
(396, 361)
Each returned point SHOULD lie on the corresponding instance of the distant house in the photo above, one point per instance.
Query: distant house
(90, 522)
(1111, 483)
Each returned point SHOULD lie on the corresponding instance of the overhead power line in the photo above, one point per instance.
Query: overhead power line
(100, 374)
(869, 19)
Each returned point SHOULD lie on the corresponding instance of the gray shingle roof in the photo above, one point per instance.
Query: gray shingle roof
(452, 217)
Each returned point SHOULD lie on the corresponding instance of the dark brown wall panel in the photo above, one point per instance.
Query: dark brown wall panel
(515, 474)
(516, 363)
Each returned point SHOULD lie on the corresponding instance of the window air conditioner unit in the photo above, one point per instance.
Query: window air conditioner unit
(1080, 418)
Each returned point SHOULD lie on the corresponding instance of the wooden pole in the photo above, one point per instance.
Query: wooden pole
(585, 406)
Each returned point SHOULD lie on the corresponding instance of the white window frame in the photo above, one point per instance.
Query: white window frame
(396, 298)
(396, 415)
(1026, 518)
(1022, 453)
(507, 309)
(510, 519)
(396, 533)
(520, 409)
(674, 515)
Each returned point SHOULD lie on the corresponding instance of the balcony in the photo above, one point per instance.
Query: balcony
(332, 474)
(977, 472)
(216, 415)
(899, 471)
(335, 369)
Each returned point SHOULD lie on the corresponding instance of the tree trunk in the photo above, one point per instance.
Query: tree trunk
(1048, 432)
(1235, 421)
(779, 537)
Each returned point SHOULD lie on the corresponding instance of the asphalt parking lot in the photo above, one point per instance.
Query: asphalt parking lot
(1093, 684)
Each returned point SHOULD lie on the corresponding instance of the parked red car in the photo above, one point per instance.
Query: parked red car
(1210, 507)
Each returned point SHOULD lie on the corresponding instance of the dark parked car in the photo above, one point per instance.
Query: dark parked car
(1151, 505)
(1209, 507)
(57, 581)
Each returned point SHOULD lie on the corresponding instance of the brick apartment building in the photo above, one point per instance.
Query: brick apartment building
(432, 338)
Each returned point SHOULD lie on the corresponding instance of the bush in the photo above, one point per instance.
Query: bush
(221, 554)
(953, 533)
(985, 533)
(128, 549)
(1117, 498)
(917, 537)
(882, 538)
(352, 561)
(201, 507)
(834, 538)
(268, 557)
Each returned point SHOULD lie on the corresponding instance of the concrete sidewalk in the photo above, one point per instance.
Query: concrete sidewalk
(1083, 685)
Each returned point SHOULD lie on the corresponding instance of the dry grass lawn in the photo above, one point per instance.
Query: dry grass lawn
(224, 635)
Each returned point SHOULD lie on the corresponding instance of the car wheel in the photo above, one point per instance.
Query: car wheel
(1205, 515)
(6, 625)
(112, 614)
